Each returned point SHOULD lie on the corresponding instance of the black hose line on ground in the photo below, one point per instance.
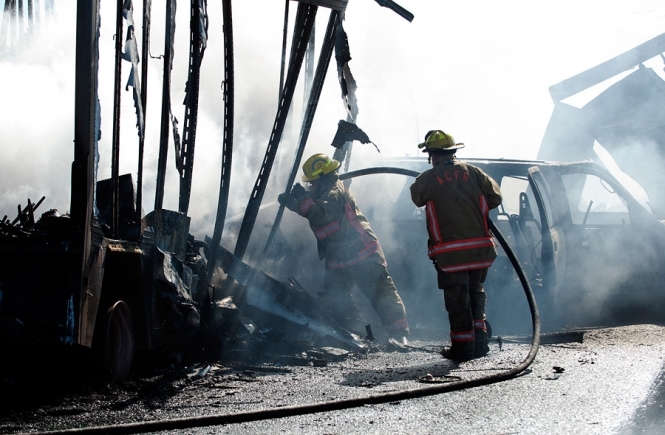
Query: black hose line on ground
(290, 411)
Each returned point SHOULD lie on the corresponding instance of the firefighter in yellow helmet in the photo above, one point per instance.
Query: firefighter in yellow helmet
(457, 199)
(350, 248)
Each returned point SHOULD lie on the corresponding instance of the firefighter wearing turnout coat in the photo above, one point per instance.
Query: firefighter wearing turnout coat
(350, 248)
(457, 199)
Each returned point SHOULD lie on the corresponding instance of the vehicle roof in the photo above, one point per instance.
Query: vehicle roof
(421, 163)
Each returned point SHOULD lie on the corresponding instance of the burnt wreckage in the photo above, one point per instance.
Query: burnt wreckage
(107, 277)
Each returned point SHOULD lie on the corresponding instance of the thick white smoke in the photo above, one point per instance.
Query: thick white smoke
(481, 71)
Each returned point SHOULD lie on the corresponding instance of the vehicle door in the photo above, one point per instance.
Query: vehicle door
(603, 242)
(552, 245)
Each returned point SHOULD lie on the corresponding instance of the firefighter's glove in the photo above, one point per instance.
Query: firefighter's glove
(298, 191)
(288, 201)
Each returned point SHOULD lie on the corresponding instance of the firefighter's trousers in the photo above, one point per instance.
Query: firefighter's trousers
(376, 284)
(465, 301)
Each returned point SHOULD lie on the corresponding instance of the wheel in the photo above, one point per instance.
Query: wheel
(118, 341)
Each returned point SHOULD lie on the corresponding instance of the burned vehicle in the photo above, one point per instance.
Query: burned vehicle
(591, 251)
(104, 275)
(139, 290)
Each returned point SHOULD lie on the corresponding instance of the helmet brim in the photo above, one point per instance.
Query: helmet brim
(452, 148)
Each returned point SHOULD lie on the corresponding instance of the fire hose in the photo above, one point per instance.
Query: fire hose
(290, 411)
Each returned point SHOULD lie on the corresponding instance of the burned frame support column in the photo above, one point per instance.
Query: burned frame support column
(115, 159)
(147, 7)
(227, 153)
(304, 22)
(197, 44)
(166, 103)
(313, 101)
(83, 178)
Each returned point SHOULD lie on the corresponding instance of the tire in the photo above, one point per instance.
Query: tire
(118, 341)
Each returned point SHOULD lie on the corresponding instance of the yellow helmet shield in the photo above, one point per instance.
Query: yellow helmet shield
(318, 165)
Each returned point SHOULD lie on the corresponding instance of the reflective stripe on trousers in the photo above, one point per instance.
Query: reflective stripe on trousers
(462, 336)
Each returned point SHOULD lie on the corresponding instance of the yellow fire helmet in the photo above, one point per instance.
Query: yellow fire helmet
(318, 165)
(438, 140)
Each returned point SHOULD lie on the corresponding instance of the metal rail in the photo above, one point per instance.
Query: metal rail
(197, 44)
(313, 101)
(115, 156)
(147, 8)
(169, 34)
(303, 27)
(227, 152)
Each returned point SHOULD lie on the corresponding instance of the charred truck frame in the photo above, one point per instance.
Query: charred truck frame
(97, 276)
(104, 276)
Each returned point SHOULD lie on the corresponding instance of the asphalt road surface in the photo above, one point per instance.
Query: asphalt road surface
(609, 383)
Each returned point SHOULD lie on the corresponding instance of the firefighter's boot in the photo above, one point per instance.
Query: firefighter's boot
(482, 341)
(460, 352)
(462, 346)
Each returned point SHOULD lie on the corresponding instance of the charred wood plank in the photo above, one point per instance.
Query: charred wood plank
(12, 230)
(30, 208)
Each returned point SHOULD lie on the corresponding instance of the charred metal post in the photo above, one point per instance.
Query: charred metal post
(313, 101)
(147, 7)
(309, 65)
(303, 27)
(284, 38)
(84, 116)
(197, 44)
(115, 159)
(227, 152)
(396, 8)
(166, 103)
(85, 134)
